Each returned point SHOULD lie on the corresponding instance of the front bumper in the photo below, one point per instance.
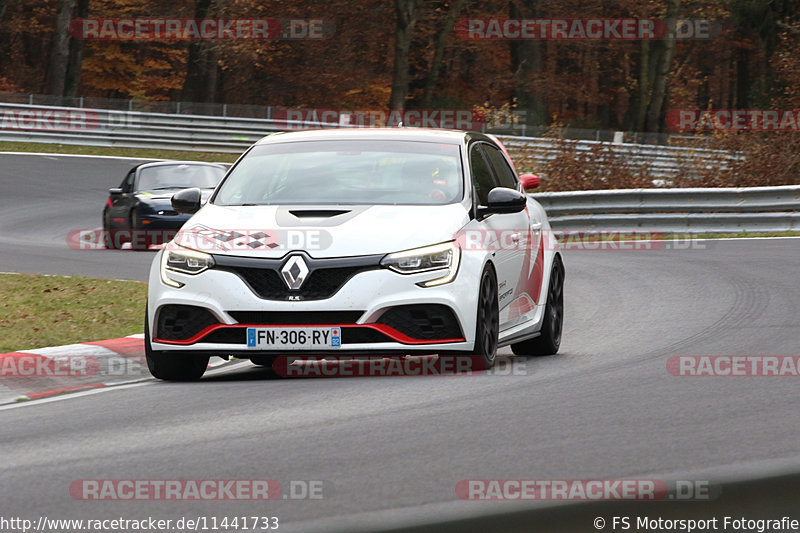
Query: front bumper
(362, 307)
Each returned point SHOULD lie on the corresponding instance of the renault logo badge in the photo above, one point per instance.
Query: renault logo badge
(294, 272)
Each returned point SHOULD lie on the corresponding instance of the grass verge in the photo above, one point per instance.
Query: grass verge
(144, 153)
(739, 235)
(39, 311)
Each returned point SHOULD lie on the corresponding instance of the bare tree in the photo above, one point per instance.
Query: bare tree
(74, 63)
(526, 62)
(438, 51)
(55, 78)
(202, 67)
(407, 12)
(662, 69)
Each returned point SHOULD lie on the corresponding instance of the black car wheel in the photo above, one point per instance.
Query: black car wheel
(175, 366)
(109, 234)
(549, 339)
(488, 322)
(139, 238)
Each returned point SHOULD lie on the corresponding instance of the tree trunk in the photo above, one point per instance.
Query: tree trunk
(200, 85)
(743, 79)
(55, 78)
(654, 111)
(75, 62)
(526, 62)
(407, 12)
(642, 99)
(438, 52)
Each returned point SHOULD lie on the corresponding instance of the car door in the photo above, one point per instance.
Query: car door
(504, 233)
(524, 299)
(121, 203)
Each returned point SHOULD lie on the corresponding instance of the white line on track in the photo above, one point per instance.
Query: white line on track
(221, 369)
(70, 395)
(55, 154)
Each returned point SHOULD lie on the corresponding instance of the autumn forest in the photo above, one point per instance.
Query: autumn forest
(406, 54)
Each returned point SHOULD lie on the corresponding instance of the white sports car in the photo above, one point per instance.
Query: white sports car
(357, 242)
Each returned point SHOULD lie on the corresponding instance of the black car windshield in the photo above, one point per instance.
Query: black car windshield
(179, 177)
(345, 172)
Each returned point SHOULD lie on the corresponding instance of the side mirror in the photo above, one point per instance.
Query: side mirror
(503, 200)
(529, 181)
(187, 200)
(116, 191)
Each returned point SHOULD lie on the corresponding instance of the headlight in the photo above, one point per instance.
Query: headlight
(439, 257)
(185, 261)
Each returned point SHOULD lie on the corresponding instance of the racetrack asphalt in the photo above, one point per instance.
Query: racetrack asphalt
(46, 198)
(391, 450)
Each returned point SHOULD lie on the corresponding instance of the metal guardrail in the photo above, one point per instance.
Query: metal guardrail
(136, 129)
(514, 124)
(690, 210)
(661, 162)
(132, 129)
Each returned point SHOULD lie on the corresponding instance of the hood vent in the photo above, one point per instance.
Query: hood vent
(321, 216)
(318, 213)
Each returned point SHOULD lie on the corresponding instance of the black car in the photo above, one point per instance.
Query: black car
(139, 210)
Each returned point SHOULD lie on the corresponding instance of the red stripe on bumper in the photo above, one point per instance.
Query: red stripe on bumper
(382, 328)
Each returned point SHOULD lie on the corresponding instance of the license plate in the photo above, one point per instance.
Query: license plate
(294, 338)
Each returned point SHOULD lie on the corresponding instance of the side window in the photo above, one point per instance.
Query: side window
(482, 177)
(127, 183)
(505, 176)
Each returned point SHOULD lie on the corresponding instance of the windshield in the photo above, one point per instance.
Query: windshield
(345, 172)
(179, 177)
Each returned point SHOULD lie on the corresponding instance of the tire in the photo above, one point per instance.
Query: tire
(549, 339)
(487, 326)
(134, 244)
(172, 367)
(108, 234)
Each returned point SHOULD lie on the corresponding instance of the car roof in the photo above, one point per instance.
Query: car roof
(165, 163)
(396, 134)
